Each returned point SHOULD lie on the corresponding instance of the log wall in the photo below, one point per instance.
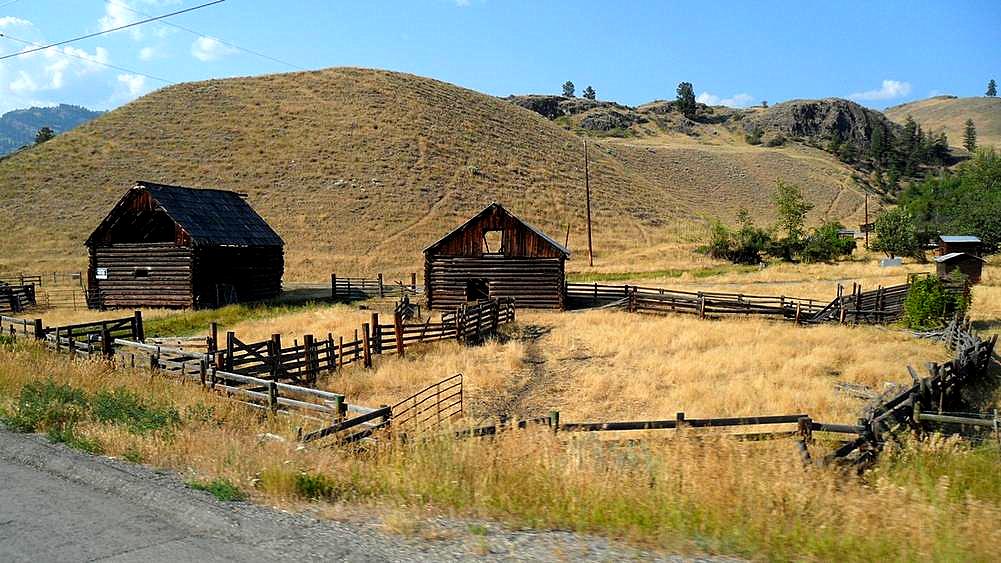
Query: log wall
(535, 283)
(167, 282)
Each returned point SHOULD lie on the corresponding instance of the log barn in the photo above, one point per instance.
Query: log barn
(496, 254)
(177, 247)
(969, 265)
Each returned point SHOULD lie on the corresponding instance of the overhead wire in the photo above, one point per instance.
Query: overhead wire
(119, 28)
(89, 60)
(200, 34)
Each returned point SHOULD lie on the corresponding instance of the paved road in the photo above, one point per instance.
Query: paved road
(57, 504)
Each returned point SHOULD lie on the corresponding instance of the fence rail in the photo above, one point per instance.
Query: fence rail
(16, 298)
(363, 288)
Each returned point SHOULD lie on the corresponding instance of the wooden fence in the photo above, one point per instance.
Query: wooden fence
(43, 279)
(363, 288)
(909, 409)
(16, 298)
(881, 305)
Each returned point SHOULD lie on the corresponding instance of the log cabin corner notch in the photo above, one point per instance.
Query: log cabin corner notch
(171, 246)
(496, 254)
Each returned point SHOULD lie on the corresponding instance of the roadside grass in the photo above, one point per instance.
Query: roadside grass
(679, 493)
(220, 488)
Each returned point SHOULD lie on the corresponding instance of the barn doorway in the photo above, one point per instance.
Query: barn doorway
(477, 289)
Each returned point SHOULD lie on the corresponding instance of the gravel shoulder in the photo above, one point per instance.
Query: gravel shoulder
(58, 504)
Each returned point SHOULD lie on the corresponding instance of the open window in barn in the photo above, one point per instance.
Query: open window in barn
(493, 242)
(140, 273)
(477, 289)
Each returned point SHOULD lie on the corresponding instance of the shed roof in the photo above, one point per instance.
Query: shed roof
(954, 255)
(959, 238)
(209, 217)
(488, 209)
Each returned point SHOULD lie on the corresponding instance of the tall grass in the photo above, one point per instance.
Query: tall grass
(935, 501)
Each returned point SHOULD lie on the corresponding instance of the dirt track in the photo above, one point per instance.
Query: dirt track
(57, 504)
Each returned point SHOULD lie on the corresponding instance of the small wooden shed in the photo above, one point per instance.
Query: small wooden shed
(171, 246)
(496, 254)
(950, 244)
(971, 266)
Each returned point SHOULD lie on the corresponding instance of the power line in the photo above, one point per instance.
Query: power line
(109, 65)
(95, 34)
(7, 4)
(200, 34)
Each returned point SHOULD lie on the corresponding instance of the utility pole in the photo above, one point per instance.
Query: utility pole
(867, 229)
(587, 190)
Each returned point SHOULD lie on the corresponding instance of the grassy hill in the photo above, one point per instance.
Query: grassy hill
(950, 113)
(359, 169)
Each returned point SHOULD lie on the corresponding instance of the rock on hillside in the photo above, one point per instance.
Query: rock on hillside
(820, 120)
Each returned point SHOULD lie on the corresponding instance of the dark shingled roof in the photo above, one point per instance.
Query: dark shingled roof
(210, 217)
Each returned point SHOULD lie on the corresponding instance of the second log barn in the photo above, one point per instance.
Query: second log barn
(496, 254)
(177, 247)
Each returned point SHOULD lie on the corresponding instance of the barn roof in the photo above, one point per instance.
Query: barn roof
(209, 217)
(954, 255)
(486, 211)
(959, 238)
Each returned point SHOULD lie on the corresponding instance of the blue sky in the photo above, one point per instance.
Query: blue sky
(736, 53)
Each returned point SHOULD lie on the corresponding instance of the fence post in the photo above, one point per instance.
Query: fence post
(702, 306)
(398, 330)
(413, 281)
(376, 333)
(805, 428)
(333, 286)
(341, 407)
(679, 420)
(137, 327)
(230, 344)
(797, 312)
(203, 368)
(554, 421)
(307, 357)
(382, 292)
(365, 344)
(495, 309)
(106, 350)
(39, 330)
(340, 352)
(273, 396)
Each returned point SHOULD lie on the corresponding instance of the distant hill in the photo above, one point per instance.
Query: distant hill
(950, 113)
(359, 169)
(18, 127)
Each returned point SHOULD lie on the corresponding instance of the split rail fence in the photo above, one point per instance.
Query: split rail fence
(882, 305)
(16, 298)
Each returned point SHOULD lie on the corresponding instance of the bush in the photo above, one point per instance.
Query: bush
(753, 137)
(222, 489)
(930, 305)
(125, 408)
(825, 245)
(741, 246)
(48, 406)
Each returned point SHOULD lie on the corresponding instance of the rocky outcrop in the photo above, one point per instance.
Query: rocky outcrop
(607, 119)
(820, 120)
(552, 107)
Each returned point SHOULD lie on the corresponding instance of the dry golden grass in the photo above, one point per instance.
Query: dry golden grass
(605, 365)
(358, 170)
(932, 502)
(950, 114)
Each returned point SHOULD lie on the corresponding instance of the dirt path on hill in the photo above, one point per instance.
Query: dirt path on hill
(58, 504)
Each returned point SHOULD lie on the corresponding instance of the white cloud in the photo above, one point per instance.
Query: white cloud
(11, 21)
(23, 84)
(741, 100)
(117, 14)
(133, 83)
(889, 90)
(147, 53)
(209, 49)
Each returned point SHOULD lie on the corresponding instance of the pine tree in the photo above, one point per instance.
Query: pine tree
(686, 99)
(589, 93)
(568, 89)
(877, 146)
(44, 134)
(992, 88)
(970, 136)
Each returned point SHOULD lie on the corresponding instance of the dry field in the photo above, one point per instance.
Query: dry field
(950, 114)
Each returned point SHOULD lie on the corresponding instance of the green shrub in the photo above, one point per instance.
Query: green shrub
(47, 406)
(315, 486)
(930, 305)
(67, 435)
(222, 489)
(125, 408)
(740, 246)
(753, 137)
(825, 245)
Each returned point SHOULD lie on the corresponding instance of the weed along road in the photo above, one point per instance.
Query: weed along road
(58, 504)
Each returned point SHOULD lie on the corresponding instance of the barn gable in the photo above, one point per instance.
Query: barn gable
(516, 238)
(152, 212)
